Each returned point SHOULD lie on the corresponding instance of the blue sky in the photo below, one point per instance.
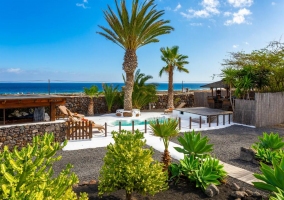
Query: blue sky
(57, 39)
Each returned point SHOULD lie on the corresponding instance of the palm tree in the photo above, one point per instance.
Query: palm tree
(230, 78)
(91, 92)
(143, 93)
(173, 61)
(131, 31)
(165, 129)
(110, 93)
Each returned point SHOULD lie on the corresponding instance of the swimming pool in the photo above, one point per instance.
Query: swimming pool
(136, 121)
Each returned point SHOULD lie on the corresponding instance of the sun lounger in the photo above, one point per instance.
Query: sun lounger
(170, 110)
(100, 127)
(67, 113)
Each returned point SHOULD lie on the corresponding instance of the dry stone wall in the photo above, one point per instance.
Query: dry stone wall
(79, 104)
(21, 135)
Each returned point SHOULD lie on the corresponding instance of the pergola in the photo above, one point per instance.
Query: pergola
(31, 101)
(216, 85)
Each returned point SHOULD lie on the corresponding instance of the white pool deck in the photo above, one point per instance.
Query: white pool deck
(99, 139)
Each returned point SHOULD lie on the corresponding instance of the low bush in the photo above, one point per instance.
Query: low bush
(28, 174)
(130, 167)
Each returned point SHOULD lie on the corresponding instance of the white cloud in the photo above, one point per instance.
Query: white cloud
(195, 24)
(241, 3)
(239, 17)
(82, 4)
(273, 3)
(167, 8)
(246, 43)
(178, 7)
(209, 8)
(14, 70)
(227, 14)
(235, 46)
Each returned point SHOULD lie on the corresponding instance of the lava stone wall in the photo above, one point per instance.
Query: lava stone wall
(79, 104)
(21, 135)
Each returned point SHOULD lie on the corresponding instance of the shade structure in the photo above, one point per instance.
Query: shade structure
(218, 84)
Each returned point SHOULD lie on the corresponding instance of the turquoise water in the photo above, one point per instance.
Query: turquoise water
(60, 88)
(136, 122)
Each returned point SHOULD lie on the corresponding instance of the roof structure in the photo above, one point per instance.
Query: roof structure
(218, 84)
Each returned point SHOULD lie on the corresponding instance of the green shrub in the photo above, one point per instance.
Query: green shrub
(28, 174)
(193, 144)
(272, 178)
(130, 167)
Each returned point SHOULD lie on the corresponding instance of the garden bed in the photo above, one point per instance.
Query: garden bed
(88, 162)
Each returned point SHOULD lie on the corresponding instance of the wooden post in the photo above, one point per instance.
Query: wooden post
(229, 118)
(52, 111)
(179, 123)
(209, 120)
(199, 121)
(105, 129)
(119, 126)
(223, 119)
(132, 126)
(90, 130)
(145, 126)
(217, 120)
(190, 122)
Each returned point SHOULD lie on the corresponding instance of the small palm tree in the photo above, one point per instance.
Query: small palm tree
(165, 129)
(143, 93)
(110, 93)
(91, 92)
(133, 30)
(173, 61)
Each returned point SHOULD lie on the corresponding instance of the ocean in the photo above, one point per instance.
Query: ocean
(71, 88)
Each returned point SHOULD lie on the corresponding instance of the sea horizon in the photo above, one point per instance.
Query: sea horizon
(78, 87)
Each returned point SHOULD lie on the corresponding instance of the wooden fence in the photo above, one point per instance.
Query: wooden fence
(266, 109)
(79, 130)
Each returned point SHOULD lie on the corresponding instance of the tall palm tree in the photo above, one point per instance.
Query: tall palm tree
(173, 61)
(131, 31)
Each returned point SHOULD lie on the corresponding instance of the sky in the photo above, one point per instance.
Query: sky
(56, 40)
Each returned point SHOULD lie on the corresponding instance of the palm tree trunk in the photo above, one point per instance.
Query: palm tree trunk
(91, 107)
(129, 66)
(166, 159)
(170, 89)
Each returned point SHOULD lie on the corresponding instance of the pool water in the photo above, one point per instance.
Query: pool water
(136, 122)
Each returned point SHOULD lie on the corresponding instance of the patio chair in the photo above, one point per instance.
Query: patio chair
(170, 110)
(67, 113)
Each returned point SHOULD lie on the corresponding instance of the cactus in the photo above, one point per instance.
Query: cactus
(28, 174)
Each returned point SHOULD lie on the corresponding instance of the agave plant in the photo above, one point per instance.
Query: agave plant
(194, 144)
(165, 129)
(206, 175)
(267, 155)
(272, 178)
(270, 141)
(279, 195)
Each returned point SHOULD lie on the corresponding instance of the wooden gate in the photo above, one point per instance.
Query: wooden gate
(79, 130)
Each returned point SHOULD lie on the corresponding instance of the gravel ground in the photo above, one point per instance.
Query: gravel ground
(228, 141)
